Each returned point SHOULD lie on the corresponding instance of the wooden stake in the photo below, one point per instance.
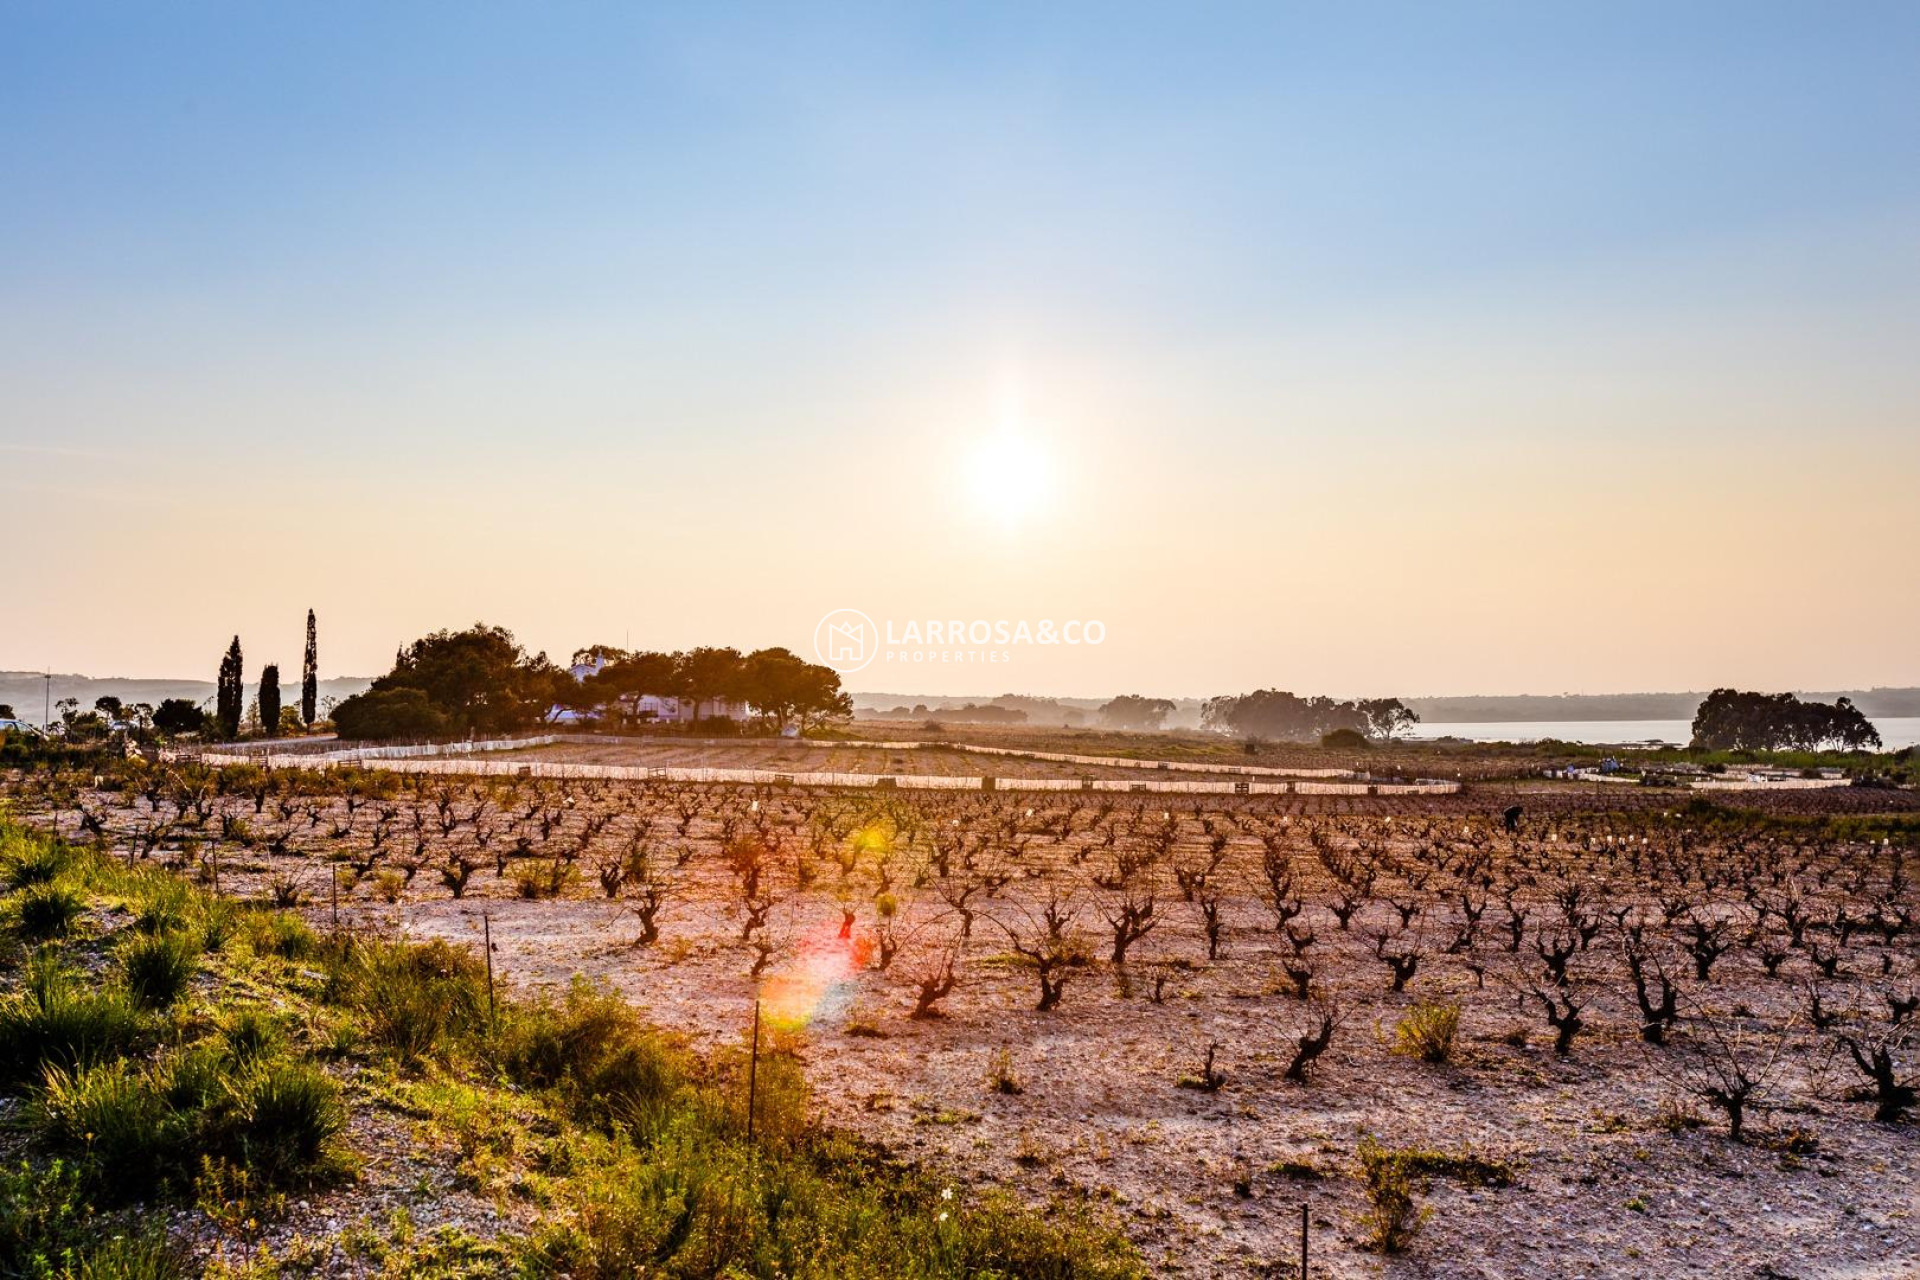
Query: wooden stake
(486, 928)
(1303, 1240)
(753, 1070)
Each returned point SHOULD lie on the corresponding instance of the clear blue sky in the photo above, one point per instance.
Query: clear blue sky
(608, 320)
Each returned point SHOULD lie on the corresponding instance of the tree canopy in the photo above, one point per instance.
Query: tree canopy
(177, 716)
(481, 681)
(475, 681)
(1131, 711)
(228, 695)
(1271, 713)
(775, 682)
(1733, 720)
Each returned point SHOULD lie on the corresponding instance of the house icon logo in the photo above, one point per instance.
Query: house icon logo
(846, 640)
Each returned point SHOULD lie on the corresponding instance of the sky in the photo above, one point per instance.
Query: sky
(1366, 349)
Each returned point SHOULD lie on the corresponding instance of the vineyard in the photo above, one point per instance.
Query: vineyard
(1654, 1037)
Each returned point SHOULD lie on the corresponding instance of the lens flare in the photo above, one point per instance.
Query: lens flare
(820, 983)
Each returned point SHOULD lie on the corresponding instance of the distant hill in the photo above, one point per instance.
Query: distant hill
(1472, 709)
(27, 693)
(1630, 706)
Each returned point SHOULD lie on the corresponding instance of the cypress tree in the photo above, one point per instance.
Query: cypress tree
(310, 676)
(270, 699)
(227, 693)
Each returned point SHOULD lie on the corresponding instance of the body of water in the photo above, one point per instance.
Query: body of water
(1895, 731)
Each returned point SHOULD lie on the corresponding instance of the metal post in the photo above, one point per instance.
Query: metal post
(1303, 1240)
(333, 891)
(753, 1070)
(486, 927)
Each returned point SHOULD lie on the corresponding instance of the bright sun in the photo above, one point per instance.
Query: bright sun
(1008, 477)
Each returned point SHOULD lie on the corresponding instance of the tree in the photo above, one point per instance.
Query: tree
(473, 681)
(1272, 713)
(771, 680)
(1131, 711)
(7, 711)
(228, 703)
(177, 716)
(381, 714)
(1733, 720)
(637, 675)
(270, 699)
(784, 687)
(709, 675)
(310, 675)
(1387, 717)
(821, 697)
(109, 706)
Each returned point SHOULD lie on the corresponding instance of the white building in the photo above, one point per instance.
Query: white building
(650, 708)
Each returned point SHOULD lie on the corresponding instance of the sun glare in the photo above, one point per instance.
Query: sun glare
(1008, 477)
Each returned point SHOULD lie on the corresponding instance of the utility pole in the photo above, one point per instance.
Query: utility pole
(46, 708)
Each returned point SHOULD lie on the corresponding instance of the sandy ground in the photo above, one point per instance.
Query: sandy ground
(1101, 1109)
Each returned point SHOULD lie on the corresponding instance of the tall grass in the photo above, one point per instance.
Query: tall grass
(56, 1021)
(47, 910)
(48, 1228)
(418, 1001)
(157, 967)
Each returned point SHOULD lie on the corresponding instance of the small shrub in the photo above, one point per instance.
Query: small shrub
(286, 1115)
(116, 1120)
(275, 933)
(284, 890)
(1000, 1073)
(1427, 1030)
(252, 1034)
(544, 879)
(44, 1215)
(1299, 1168)
(1676, 1117)
(389, 885)
(417, 998)
(28, 860)
(167, 905)
(56, 1022)
(48, 910)
(1393, 1216)
(594, 1051)
(159, 966)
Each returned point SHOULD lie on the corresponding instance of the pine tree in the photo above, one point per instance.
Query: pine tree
(227, 693)
(310, 675)
(270, 699)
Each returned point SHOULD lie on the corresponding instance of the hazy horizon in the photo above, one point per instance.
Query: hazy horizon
(862, 693)
(1477, 348)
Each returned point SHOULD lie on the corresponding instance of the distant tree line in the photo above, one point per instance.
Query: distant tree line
(1271, 713)
(781, 686)
(480, 681)
(1131, 711)
(977, 713)
(1733, 720)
